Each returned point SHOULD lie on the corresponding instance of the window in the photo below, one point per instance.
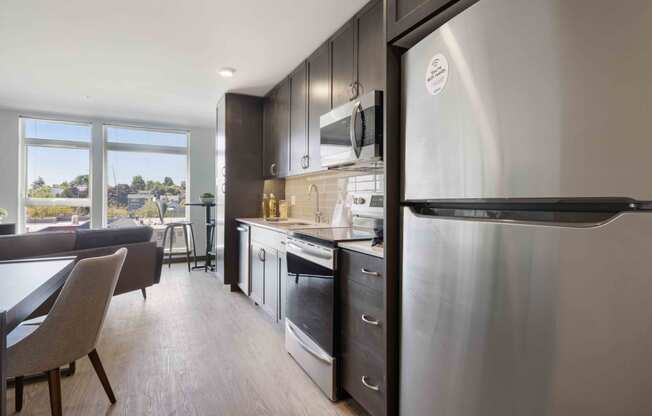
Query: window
(145, 170)
(56, 183)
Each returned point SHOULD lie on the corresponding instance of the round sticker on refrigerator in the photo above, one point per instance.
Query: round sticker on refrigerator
(437, 74)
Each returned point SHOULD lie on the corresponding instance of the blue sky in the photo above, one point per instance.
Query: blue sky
(56, 165)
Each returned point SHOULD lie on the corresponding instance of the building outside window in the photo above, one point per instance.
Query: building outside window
(56, 192)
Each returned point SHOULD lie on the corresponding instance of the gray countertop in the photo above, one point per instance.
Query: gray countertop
(364, 247)
(286, 226)
(283, 226)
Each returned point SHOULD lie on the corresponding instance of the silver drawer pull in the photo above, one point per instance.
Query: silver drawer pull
(369, 272)
(369, 386)
(366, 319)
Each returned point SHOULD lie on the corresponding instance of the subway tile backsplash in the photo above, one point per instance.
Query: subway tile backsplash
(328, 183)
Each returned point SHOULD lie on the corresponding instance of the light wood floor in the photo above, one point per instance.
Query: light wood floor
(192, 348)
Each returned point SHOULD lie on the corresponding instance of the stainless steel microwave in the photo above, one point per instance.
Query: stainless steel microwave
(353, 132)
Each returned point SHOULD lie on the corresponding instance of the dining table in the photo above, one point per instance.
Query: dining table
(24, 286)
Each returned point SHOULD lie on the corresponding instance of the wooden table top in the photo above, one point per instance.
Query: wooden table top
(26, 284)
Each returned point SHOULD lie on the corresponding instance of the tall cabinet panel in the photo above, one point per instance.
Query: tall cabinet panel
(220, 195)
(319, 100)
(298, 120)
(240, 177)
(343, 64)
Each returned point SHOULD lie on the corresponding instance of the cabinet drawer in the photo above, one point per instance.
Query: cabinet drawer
(361, 307)
(274, 239)
(362, 268)
(359, 363)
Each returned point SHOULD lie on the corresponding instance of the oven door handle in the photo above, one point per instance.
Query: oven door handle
(317, 354)
(292, 246)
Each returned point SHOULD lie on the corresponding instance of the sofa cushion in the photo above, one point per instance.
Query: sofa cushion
(36, 244)
(112, 237)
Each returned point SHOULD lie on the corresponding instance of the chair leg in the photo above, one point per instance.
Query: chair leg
(72, 367)
(18, 385)
(185, 237)
(99, 369)
(144, 292)
(194, 246)
(170, 253)
(54, 384)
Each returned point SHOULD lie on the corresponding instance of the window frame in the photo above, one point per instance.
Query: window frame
(140, 148)
(26, 142)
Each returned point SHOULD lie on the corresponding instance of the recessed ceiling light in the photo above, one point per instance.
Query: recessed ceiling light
(226, 72)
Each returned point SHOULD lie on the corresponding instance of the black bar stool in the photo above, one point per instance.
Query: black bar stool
(171, 227)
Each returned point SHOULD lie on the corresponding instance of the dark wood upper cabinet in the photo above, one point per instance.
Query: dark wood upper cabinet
(299, 120)
(403, 15)
(343, 64)
(370, 49)
(319, 100)
(277, 131)
(350, 63)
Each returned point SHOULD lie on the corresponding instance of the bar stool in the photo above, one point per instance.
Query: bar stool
(171, 227)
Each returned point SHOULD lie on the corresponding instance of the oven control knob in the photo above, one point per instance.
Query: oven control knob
(359, 201)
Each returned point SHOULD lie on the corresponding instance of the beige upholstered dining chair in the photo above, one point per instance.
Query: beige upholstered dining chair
(70, 331)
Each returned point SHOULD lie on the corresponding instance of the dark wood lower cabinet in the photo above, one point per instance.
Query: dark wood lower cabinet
(363, 377)
(362, 330)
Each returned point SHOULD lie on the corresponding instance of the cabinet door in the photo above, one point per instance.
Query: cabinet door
(404, 14)
(271, 290)
(269, 135)
(319, 100)
(370, 49)
(298, 120)
(283, 284)
(282, 128)
(342, 56)
(257, 273)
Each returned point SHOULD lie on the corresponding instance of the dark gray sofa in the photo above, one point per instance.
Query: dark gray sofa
(142, 267)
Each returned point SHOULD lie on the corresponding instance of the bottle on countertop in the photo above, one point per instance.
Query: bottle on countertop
(265, 207)
(283, 209)
(273, 206)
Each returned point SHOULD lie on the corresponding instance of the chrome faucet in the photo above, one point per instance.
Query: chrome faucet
(317, 211)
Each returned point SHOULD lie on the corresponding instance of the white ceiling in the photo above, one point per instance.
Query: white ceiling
(153, 60)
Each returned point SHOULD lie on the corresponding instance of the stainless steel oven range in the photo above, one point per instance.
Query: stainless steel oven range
(311, 319)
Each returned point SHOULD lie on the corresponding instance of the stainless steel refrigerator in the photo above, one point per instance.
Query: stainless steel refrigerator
(527, 222)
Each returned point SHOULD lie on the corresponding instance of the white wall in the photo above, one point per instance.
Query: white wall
(201, 156)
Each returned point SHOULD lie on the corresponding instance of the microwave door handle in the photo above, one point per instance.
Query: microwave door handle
(354, 118)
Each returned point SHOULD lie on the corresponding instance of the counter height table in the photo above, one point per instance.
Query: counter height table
(210, 233)
(24, 286)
